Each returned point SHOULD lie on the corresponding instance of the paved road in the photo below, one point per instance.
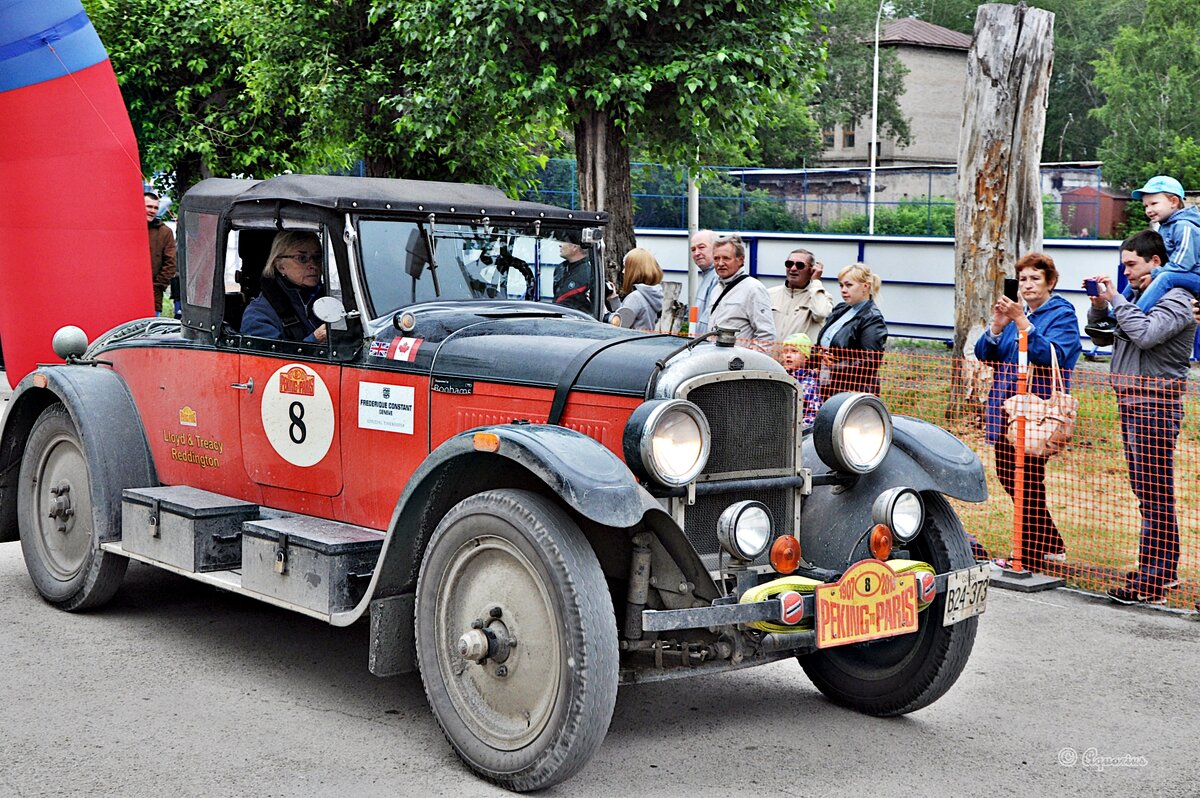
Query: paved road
(178, 689)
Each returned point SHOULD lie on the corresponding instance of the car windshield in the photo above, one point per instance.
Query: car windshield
(411, 262)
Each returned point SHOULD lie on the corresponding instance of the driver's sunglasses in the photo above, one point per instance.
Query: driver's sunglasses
(795, 264)
(304, 258)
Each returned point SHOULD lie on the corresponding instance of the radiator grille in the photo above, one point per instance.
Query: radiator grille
(753, 424)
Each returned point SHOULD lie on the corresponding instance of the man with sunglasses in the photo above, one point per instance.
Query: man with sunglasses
(800, 305)
(291, 282)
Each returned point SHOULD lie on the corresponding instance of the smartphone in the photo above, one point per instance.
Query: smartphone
(1010, 288)
(1091, 287)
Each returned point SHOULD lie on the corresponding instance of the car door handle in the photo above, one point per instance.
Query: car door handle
(248, 385)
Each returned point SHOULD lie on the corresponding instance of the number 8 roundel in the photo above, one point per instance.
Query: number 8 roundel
(297, 415)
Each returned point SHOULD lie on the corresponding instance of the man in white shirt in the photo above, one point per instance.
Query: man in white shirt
(800, 305)
(702, 254)
(741, 303)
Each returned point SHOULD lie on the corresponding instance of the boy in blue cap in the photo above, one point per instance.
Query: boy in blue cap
(1163, 200)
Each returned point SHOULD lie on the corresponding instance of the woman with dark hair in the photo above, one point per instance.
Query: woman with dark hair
(291, 282)
(1050, 325)
(854, 335)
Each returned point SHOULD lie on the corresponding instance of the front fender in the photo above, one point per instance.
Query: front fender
(923, 457)
(110, 430)
(585, 475)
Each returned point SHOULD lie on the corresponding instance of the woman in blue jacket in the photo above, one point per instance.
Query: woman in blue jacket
(1049, 321)
(291, 282)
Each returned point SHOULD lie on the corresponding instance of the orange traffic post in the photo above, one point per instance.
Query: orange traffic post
(1019, 447)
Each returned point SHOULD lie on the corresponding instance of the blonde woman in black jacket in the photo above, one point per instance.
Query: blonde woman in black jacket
(854, 335)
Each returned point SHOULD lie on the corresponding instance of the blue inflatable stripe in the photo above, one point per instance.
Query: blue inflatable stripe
(41, 41)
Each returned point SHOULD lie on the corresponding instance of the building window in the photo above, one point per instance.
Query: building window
(827, 137)
(848, 138)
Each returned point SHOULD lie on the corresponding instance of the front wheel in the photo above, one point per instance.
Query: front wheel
(516, 639)
(903, 674)
(55, 516)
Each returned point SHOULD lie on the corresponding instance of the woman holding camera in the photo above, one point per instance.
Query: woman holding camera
(1050, 325)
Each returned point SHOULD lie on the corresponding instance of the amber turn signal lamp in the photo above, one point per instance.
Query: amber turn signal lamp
(486, 442)
(785, 554)
(881, 542)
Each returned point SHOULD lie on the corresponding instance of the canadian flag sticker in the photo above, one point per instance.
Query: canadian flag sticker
(404, 349)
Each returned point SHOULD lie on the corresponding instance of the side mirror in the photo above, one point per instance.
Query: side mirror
(330, 310)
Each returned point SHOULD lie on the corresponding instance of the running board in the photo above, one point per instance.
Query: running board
(225, 580)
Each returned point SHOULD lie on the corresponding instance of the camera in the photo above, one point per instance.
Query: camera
(1091, 287)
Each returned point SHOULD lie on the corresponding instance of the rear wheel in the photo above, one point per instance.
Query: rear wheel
(516, 639)
(55, 516)
(903, 674)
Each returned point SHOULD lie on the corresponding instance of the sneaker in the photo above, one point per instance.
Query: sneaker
(1131, 576)
(1105, 328)
(1130, 595)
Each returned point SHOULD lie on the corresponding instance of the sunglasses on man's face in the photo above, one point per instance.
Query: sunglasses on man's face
(795, 264)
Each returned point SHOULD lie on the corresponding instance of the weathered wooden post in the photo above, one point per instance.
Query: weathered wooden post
(999, 200)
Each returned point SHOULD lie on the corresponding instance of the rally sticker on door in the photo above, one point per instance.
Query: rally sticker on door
(385, 407)
(297, 415)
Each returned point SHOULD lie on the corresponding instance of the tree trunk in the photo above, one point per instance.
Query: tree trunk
(999, 202)
(602, 163)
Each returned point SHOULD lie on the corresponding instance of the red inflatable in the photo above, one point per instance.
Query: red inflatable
(73, 241)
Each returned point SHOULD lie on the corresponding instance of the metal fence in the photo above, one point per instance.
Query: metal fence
(908, 201)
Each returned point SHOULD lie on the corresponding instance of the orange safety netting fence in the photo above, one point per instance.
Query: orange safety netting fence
(1089, 491)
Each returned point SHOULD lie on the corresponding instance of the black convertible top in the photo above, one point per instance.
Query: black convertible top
(356, 194)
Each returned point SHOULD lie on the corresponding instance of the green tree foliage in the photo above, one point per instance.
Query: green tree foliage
(256, 88)
(1150, 77)
(934, 217)
(1083, 30)
(845, 93)
(178, 64)
(679, 77)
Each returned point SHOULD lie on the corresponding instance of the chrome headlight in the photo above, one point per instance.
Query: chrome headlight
(853, 432)
(901, 510)
(744, 530)
(667, 440)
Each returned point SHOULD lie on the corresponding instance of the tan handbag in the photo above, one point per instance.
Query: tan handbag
(1049, 423)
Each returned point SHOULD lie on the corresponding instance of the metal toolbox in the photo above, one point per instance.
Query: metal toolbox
(313, 563)
(189, 528)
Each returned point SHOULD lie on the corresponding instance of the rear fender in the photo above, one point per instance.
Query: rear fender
(110, 429)
(594, 484)
(923, 457)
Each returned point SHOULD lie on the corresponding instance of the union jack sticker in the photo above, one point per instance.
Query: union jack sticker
(791, 607)
(379, 348)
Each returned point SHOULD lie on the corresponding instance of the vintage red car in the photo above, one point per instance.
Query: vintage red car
(531, 504)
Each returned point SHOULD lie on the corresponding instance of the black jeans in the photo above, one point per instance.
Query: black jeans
(1148, 433)
(1039, 535)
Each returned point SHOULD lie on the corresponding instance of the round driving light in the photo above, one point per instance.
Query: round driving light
(902, 510)
(853, 432)
(667, 441)
(744, 530)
